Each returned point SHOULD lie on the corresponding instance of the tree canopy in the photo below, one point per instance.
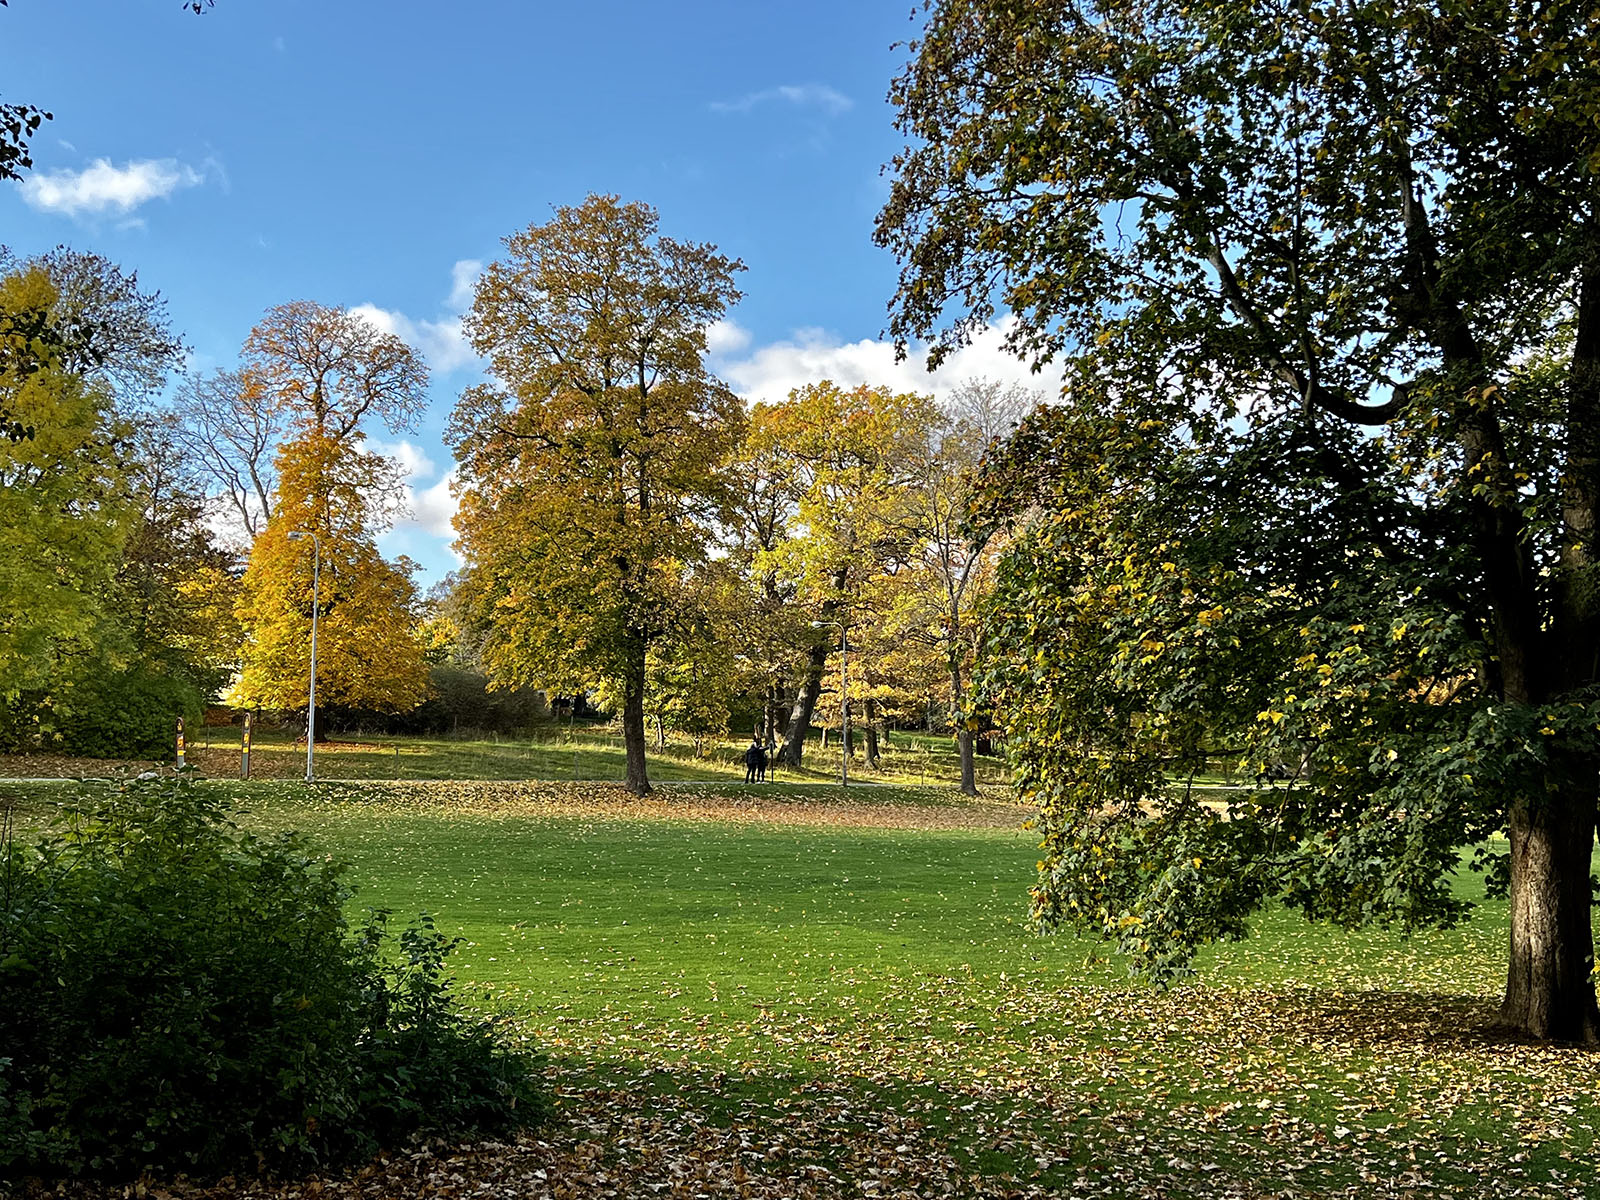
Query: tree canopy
(591, 464)
(1336, 267)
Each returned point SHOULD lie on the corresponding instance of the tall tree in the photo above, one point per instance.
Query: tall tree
(1311, 220)
(233, 430)
(854, 451)
(949, 569)
(173, 589)
(327, 375)
(591, 465)
(370, 652)
(64, 511)
(770, 629)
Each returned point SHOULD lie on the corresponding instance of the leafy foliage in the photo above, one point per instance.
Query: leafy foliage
(369, 652)
(178, 995)
(102, 709)
(64, 515)
(105, 554)
(590, 468)
(1260, 232)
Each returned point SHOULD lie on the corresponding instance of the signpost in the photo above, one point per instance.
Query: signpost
(180, 744)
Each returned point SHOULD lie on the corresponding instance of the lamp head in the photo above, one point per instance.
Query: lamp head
(296, 534)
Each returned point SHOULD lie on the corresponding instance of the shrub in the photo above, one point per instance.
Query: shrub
(176, 994)
(102, 713)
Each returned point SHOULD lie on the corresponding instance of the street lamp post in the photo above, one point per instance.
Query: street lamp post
(844, 697)
(316, 603)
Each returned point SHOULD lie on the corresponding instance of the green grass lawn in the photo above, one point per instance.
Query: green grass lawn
(782, 989)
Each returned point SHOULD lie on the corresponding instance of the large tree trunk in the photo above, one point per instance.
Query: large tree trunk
(870, 731)
(1549, 983)
(958, 701)
(810, 687)
(805, 703)
(969, 772)
(638, 782)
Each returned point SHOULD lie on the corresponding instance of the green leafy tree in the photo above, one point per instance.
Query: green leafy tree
(1345, 257)
(100, 663)
(591, 467)
(64, 514)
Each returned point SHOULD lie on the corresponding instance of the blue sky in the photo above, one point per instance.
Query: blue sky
(372, 155)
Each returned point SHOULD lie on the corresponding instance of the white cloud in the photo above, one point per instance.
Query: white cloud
(413, 460)
(801, 95)
(463, 279)
(102, 188)
(443, 342)
(770, 372)
(427, 507)
(726, 337)
(433, 508)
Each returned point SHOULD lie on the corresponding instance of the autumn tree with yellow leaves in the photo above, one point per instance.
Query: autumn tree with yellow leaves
(331, 373)
(852, 452)
(591, 465)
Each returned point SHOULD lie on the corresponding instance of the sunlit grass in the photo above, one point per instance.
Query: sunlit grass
(879, 960)
(855, 977)
(584, 753)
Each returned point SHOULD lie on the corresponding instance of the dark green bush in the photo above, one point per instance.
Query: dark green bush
(103, 713)
(176, 994)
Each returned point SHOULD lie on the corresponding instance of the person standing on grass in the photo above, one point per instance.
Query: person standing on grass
(753, 760)
(769, 758)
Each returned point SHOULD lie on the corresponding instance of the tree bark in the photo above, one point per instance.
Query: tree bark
(969, 772)
(1549, 983)
(958, 701)
(769, 714)
(805, 703)
(638, 782)
(869, 730)
(810, 687)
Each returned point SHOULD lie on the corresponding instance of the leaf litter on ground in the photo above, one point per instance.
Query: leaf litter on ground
(888, 1081)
